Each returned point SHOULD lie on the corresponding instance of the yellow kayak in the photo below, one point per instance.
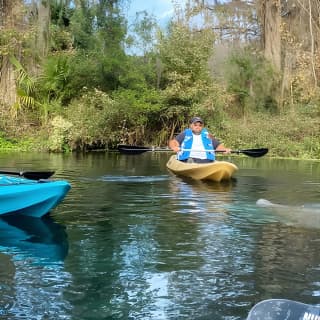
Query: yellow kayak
(214, 171)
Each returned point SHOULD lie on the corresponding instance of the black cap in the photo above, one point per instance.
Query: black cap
(196, 119)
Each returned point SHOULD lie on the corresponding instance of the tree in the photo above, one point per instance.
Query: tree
(43, 34)
(271, 34)
(184, 52)
(143, 33)
(11, 25)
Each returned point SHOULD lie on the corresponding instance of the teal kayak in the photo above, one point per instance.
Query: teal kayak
(35, 198)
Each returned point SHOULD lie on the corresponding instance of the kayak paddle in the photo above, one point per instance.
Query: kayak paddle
(127, 149)
(32, 175)
(254, 153)
(280, 309)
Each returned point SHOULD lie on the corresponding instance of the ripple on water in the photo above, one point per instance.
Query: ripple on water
(142, 179)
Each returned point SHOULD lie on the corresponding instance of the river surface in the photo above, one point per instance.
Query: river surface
(132, 241)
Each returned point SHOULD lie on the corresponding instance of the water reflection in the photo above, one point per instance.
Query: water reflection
(32, 276)
(280, 265)
(193, 196)
(208, 186)
(43, 240)
(145, 244)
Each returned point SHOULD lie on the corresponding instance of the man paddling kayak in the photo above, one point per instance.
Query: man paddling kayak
(196, 144)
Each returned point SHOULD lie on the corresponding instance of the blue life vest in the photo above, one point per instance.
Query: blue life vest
(187, 144)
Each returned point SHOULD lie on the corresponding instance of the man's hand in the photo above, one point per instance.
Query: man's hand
(227, 150)
(223, 149)
(174, 145)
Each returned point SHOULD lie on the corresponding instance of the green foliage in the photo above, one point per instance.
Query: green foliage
(9, 144)
(143, 34)
(66, 74)
(81, 26)
(110, 25)
(55, 76)
(43, 94)
(6, 145)
(26, 97)
(252, 82)
(61, 39)
(59, 135)
(286, 135)
(91, 70)
(89, 93)
(185, 51)
(215, 107)
(94, 120)
(98, 26)
(185, 81)
(61, 13)
(141, 114)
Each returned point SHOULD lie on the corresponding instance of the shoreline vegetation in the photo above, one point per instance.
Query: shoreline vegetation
(72, 81)
(287, 137)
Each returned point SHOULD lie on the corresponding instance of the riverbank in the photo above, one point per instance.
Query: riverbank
(287, 136)
(294, 136)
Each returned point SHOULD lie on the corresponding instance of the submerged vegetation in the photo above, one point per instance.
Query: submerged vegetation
(80, 77)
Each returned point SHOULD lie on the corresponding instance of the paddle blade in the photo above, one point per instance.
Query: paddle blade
(127, 149)
(31, 175)
(37, 175)
(255, 153)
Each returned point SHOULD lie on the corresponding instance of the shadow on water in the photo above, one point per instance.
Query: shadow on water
(44, 240)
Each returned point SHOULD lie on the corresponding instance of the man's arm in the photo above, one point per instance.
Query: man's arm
(221, 147)
(217, 145)
(175, 143)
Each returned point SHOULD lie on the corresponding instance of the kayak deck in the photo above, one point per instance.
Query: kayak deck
(213, 171)
(20, 196)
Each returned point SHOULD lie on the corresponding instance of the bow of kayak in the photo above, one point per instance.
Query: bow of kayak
(214, 171)
(19, 196)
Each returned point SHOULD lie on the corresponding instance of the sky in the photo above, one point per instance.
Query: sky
(161, 9)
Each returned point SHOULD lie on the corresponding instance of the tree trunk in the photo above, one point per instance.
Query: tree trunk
(271, 32)
(10, 13)
(43, 28)
(7, 84)
(286, 84)
(313, 67)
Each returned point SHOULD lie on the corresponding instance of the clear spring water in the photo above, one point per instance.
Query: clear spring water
(132, 241)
